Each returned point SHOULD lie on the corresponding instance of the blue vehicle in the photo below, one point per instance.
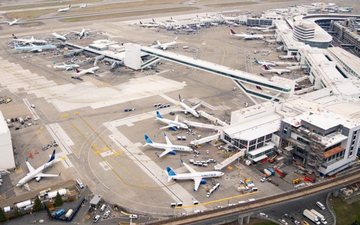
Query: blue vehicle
(59, 213)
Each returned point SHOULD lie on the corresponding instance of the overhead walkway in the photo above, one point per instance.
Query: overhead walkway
(213, 118)
(205, 139)
(230, 160)
(217, 69)
(202, 125)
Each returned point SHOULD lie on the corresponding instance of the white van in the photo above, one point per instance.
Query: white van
(103, 207)
(81, 185)
(320, 205)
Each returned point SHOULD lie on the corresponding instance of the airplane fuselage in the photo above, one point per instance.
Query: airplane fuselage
(188, 109)
(188, 176)
(66, 67)
(88, 71)
(30, 41)
(60, 37)
(173, 147)
(31, 175)
(173, 123)
(35, 48)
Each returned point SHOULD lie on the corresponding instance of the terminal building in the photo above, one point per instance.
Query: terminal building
(7, 160)
(323, 141)
(348, 32)
(316, 128)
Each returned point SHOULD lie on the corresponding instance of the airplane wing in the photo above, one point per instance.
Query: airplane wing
(196, 105)
(47, 175)
(30, 168)
(177, 118)
(165, 127)
(190, 169)
(197, 182)
(168, 142)
(167, 151)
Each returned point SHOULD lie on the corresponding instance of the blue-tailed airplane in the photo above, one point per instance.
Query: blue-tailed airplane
(38, 173)
(169, 148)
(172, 124)
(197, 177)
(34, 48)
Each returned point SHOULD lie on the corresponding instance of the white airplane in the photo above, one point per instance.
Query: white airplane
(231, 23)
(35, 48)
(66, 67)
(82, 33)
(65, 9)
(188, 109)
(14, 22)
(172, 124)
(165, 46)
(169, 148)
(264, 63)
(59, 36)
(149, 25)
(197, 177)
(80, 73)
(38, 173)
(260, 28)
(278, 71)
(246, 36)
(345, 9)
(31, 40)
(188, 30)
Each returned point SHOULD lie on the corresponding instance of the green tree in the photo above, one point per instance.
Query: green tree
(58, 200)
(38, 206)
(2, 215)
(16, 212)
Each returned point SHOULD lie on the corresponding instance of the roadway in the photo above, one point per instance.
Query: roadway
(231, 213)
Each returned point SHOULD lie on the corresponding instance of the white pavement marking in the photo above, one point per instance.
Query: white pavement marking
(63, 140)
(86, 94)
(176, 191)
(106, 154)
(105, 165)
(16, 79)
(32, 111)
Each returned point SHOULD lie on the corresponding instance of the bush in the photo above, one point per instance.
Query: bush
(2, 215)
(58, 200)
(38, 206)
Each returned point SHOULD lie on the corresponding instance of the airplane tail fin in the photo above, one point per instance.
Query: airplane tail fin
(77, 70)
(266, 67)
(13, 35)
(140, 22)
(180, 98)
(232, 31)
(52, 157)
(158, 115)
(158, 42)
(255, 60)
(175, 39)
(147, 139)
(170, 173)
(70, 6)
(153, 20)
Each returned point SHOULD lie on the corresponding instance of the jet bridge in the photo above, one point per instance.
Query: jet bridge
(265, 88)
